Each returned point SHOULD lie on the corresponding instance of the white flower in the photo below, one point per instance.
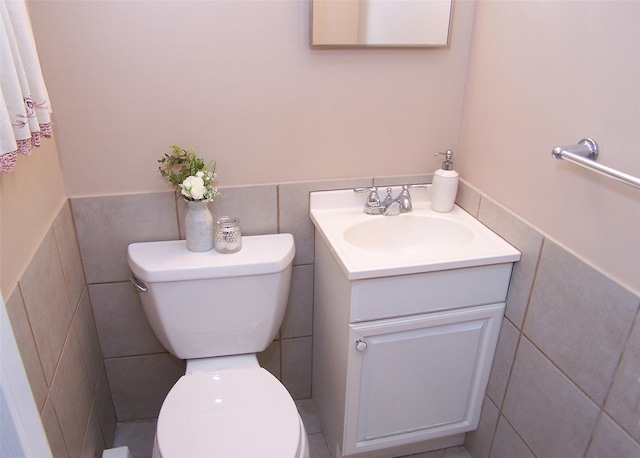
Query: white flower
(193, 187)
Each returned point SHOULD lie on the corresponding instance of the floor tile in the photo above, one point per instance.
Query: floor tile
(137, 435)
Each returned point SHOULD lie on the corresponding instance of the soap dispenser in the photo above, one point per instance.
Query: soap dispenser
(445, 185)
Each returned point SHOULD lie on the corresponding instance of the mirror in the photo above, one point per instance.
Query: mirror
(380, 23)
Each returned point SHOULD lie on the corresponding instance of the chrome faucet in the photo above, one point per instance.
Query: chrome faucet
(389, 206)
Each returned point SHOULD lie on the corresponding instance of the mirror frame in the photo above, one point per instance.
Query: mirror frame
(339, 44)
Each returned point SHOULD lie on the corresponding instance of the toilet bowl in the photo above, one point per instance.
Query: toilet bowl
(217, 311)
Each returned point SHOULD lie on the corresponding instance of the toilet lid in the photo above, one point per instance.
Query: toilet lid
(229, 413)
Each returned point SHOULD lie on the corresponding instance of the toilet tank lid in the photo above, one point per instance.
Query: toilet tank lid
(172, 261)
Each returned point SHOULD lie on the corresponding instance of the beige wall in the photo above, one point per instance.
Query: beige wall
(30, 198)
(239, 81)
(543, 74)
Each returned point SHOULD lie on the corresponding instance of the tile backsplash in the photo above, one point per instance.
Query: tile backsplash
(557, 381)
(139, 370)
(564, 379)
(52, 318)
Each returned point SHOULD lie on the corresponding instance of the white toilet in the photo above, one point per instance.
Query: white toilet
(217, 311)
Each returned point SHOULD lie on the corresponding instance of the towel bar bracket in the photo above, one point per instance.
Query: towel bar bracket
(586, 147)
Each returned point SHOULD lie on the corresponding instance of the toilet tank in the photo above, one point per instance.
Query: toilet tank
(211, 304)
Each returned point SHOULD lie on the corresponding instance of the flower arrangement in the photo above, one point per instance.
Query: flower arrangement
(188, 174)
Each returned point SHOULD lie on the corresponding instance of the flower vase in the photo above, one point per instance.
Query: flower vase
(198, 226)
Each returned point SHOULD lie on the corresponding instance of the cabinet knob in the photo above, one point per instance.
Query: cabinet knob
(361, 345)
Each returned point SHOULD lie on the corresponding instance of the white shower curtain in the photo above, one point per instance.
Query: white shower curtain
(25, 109)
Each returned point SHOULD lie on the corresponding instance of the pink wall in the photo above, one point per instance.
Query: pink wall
(543, 74)
(239, 81)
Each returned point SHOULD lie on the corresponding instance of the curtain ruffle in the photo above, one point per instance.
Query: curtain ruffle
(8, 160)
(25, 110)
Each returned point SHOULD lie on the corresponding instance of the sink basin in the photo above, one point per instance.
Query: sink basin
(369, 246)
(409, 233)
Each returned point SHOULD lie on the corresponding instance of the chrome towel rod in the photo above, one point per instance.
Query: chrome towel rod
(585, 154)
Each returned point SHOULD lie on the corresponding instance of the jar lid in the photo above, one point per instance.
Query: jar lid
(228, 223)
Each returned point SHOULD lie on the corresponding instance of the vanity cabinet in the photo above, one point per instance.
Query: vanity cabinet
(402, 361)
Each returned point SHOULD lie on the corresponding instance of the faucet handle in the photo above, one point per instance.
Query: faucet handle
(373, 194)
(405, 199)
(419, 186)
(372, 206)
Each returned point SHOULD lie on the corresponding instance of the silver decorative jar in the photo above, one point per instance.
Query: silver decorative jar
(228, 237)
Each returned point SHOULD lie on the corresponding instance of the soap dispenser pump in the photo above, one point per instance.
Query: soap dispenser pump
(445, 185)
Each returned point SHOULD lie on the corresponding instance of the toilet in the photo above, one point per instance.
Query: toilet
(217, 311)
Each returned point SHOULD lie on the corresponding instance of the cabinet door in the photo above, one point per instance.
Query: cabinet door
(417, 378)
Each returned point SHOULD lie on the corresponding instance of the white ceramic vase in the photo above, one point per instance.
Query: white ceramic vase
(198, 226)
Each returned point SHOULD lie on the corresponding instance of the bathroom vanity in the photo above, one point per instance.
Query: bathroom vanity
(403, 341)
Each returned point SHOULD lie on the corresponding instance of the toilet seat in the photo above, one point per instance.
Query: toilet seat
(228, 413)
